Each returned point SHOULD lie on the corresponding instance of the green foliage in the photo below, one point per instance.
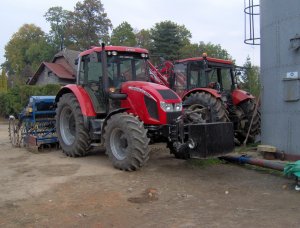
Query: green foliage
(3, 82)
(250, 78)
(16, 98)
(212, 50)
(88, 24)
(168, 37)
(123, 35)
(143, 39)
(25, 51)
(57, 17)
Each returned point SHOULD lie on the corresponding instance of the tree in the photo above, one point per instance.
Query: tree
(250, 78)
(190, 50)
(57, 17)
(88, 24)
(212, 50)
(123, 35)
(168, 38)
(3, 82)
(143, 39)
(26, 49)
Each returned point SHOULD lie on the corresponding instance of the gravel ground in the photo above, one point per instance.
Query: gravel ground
(49, 189)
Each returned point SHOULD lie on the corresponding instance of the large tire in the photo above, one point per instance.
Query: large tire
(73, 137)
(216, 108)
(126, 142)
(248, 107)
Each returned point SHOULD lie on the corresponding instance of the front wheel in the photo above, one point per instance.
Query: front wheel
(126, 142)
(73, 137)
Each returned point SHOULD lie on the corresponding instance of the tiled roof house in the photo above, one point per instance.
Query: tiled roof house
(62, 70)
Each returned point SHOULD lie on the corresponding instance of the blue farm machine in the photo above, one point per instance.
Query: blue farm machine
(34, 127)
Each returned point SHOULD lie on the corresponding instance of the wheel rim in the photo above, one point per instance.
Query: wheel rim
(198, 112)
(118, 144)
(67, 126)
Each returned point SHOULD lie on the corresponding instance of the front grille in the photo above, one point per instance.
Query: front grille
(151, 107)
(172, 116)
(167, 94)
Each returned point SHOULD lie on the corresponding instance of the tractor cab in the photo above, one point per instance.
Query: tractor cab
(203, 73)
(101, 73)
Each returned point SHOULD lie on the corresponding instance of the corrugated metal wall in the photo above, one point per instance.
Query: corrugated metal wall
(280, 64)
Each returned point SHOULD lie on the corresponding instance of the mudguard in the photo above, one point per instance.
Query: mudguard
(239, 96)
(82, 96)
(207, 90)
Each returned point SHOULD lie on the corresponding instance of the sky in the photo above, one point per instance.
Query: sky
(216, 21)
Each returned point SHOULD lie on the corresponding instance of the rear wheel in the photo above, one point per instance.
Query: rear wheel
(72, 135)
(247, 109)
(216, 111)
(126, 142)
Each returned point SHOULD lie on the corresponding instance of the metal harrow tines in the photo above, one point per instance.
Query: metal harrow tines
(14, 131)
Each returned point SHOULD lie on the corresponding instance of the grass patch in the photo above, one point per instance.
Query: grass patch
(203, 163)
(248, 147)
(264, 170)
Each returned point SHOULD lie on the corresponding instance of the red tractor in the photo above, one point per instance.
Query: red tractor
(210, 86)
(114, 104)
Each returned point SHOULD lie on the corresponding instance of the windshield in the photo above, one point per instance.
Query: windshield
(197, 75)
(222, 76)
(122, 68)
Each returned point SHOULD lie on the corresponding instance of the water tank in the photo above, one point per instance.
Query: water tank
(280, 74)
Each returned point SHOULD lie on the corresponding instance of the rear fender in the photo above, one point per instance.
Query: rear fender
(213, 92)
(84, 100)
(239, 96)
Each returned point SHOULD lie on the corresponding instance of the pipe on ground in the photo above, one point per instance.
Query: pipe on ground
(254, 161)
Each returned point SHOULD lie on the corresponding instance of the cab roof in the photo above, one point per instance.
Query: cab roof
(209, 59)
(115, 48)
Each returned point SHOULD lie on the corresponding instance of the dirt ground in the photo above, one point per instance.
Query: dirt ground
(51, 190)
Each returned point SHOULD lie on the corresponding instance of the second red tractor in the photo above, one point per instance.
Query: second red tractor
(209, 85)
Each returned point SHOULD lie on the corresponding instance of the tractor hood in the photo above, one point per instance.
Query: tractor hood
(153, 103)
(158, 92)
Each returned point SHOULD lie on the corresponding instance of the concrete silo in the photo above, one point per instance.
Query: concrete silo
(280, 74)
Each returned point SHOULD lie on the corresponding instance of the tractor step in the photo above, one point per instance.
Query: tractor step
(96, 144)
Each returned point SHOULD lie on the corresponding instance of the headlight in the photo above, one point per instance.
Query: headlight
(178, 107)
(166, 106)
